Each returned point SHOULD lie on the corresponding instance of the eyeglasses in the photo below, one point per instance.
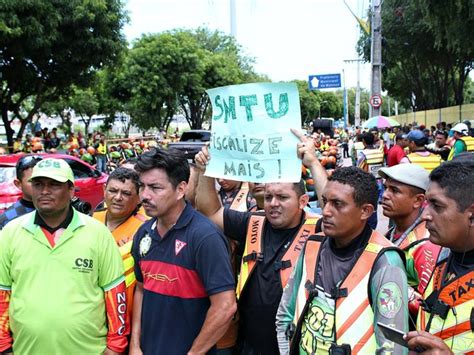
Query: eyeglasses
(28, 161)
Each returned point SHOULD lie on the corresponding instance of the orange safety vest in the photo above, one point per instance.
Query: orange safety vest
(123, 236)
(254, 249)
(448, 310)
(354, 316)
(428, 162)
(240, 200)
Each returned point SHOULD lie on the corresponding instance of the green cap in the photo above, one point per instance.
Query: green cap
(56, 169)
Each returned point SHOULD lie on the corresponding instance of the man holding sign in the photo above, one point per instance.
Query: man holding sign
(273, 239)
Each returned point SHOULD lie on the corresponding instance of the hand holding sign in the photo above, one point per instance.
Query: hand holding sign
(306, 149)
(202, 158)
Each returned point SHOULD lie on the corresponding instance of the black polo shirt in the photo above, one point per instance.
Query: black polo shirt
(179, 272)
(259, 301)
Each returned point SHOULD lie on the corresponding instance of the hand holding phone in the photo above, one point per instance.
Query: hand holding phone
(393, 334)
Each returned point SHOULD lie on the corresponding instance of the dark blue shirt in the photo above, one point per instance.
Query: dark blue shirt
(19, 208)
(179, 272)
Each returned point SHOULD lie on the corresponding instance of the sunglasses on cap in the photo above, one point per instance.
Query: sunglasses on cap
(28, 161)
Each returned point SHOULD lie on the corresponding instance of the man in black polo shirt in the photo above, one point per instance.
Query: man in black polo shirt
(184, 299)
(285, 224)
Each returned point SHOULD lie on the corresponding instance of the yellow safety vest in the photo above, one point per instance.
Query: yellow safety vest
(469, 141)
(354, 314)
(450, 309)
(102, 149)
(254, 249)
(428, 162)
(373, 161)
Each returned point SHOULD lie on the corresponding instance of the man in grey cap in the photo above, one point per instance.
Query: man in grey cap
(402, 201)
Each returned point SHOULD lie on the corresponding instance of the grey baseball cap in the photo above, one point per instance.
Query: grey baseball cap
(409, 174)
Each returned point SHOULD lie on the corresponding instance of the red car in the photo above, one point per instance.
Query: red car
(89, 182)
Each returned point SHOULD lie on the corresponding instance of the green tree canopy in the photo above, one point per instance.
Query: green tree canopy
(45, 46)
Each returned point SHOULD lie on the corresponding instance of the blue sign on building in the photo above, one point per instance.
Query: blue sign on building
(324, 81)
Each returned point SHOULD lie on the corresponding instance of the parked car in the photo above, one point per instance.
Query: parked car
(191, 142)
(89, 182)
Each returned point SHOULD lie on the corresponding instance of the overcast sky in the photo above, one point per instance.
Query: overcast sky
(289, 39)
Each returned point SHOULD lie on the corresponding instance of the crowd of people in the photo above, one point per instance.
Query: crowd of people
(177, 262)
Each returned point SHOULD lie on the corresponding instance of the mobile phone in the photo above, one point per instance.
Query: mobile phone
(393, 334)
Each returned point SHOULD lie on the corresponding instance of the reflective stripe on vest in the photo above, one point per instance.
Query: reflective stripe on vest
(456, 330)
(428, 162)
(354, 314)
(240, 200)
(373, 160)
(253, 249)
(419, 233)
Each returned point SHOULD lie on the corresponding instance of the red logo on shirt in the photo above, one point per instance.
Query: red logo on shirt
(179, 245)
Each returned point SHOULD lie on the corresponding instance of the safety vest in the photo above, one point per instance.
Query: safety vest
(415, 236)
(373, 161)
(469, 141)
(253, 251)
(102, 148)
(448, 311)
(428, 162)
(240, 200)
(354, 316)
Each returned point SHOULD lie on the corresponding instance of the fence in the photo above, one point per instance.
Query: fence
(429, 118)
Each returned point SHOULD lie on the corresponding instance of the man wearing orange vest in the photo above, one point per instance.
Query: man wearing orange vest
(273, 240)
(446, 321)
(346, 280)
(402, 202)
(122, 220)
(235, 195)
(418, 153)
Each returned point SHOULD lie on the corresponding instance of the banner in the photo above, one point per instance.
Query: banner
(251, 138)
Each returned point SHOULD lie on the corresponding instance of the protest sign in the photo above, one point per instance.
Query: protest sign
(251, 138)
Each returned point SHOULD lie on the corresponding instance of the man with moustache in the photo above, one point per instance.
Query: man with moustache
(123, 220)
(184, 298)
(346, 280)
(402, 202)
(273, 240)
(62, 289)
(445, 322)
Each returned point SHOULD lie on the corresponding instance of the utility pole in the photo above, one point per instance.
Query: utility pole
(376, 53)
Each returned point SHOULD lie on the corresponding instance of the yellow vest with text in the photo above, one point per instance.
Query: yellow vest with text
(253, 252)
(373, 161)
(428, 162)
(240, 200)
(354, 316)
(454, 324)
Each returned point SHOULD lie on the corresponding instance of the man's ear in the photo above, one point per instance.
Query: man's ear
(367, 210)
(419, 200)
(303, 201)
(181, 189)
(17, 183)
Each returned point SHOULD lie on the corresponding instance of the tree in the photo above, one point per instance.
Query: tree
(85, 104)
(425, 52)
(45, 46)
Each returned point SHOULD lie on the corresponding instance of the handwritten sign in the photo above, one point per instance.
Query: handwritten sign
(251, 138)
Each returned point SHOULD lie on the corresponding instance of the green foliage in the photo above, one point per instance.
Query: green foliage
(48, 45)
(426, 51)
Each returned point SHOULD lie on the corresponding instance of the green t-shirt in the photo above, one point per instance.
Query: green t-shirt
(57, 303)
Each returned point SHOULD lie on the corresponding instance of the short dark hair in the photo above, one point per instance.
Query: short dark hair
(122, 174)
(363, 183)
(299, 187)
(26, 162)
(368, 138)
(444, 133)
(172, 161)
(457, 178)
